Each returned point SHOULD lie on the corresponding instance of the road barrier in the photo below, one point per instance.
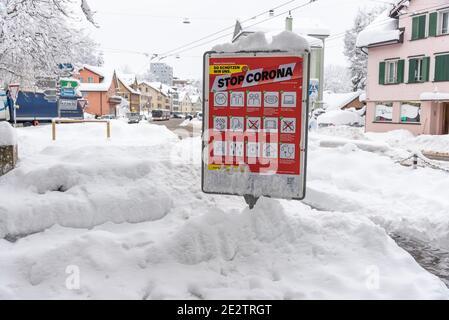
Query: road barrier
(53, 125)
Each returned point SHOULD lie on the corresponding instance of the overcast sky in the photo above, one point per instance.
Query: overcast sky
(133, 27)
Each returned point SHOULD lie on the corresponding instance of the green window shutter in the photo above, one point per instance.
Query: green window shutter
(415, 28)
(400, 75)
(413, 63)
(442, 68)
(426, 68)
(422, 27)
(382, 73)
(433, 18)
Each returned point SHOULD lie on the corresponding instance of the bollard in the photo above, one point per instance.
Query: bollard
(415, 161)
(108, 130)
(53, 130)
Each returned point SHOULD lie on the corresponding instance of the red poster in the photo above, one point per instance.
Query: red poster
(255, 113)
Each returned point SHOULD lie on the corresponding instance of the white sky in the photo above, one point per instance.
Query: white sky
(156, 27)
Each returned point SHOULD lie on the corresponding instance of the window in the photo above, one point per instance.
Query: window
(419, 27)
(442, 68)
(443, 22)
(419, 70)
(81, 80)
(411, 112)
(392, 71)
(384, 112)
(90, 79)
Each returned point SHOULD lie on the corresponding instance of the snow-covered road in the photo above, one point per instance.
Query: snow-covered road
(129, 216)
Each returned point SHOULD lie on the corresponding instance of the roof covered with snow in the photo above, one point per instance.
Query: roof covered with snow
(106, 80)
(384, 29)
(336, 101)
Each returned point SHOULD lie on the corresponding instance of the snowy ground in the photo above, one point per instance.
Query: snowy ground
(129, 215)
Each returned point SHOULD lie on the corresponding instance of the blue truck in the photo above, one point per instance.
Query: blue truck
(32, 107)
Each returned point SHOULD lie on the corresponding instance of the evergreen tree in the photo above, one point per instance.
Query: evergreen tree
(358, 60)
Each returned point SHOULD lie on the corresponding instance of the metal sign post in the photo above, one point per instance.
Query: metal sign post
(255, 110)
(14, 92)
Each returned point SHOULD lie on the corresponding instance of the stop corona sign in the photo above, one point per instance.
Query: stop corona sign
(255, 124)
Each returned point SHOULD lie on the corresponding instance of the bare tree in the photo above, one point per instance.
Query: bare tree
(37, 35)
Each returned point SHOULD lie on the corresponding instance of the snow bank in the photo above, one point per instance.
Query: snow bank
(382, 29)
(83, 180)
(8, 135)
(220, 254)
(339, 118)
(362, 145)
(286, 41)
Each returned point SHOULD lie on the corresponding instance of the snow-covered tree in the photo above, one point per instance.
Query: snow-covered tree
(37, 35)
(358, 61)
(337, 79)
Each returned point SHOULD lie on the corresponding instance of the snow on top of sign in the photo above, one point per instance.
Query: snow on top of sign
(434, 96)
(382, 29)
(260, 41)
(8, 136)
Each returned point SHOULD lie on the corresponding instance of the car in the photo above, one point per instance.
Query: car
(108, 117)
(133, 117)
(189, 117)
(199, 116)
(178, 115)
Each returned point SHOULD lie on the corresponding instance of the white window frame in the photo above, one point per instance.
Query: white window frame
(440, 22)
(388, 104)
(388, 77)
(419, 70)
(412, 103)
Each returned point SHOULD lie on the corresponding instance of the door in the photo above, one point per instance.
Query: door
(446, 118)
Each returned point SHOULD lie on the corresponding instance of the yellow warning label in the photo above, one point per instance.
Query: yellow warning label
(227, 69)
(216, 167)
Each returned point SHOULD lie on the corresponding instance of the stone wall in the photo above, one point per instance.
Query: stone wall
(8, 158)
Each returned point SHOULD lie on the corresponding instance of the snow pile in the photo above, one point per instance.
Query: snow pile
(286, 41)
(83, 180)
(434, 96)
(382, 29)
(148, 231)
(340, 118)
(219, 254)
(8, 136)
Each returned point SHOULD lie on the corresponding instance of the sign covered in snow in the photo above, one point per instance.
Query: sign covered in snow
(255, 121)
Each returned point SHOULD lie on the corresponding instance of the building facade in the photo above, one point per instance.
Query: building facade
(153, 97)
(162, 72)
(99, 88)
(408, 68)
(129, 93)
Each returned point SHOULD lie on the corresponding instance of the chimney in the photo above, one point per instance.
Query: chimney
(289, 22)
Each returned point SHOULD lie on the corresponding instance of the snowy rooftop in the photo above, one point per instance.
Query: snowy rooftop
(383, 29)
(105, 74)
(336, 101)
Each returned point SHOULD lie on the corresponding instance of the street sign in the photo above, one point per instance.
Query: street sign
(255, 123)
(67, 93)
(66, 67)
(14, 91)
(69, 83)
(83, 103)
(68, 104)
(46, 83)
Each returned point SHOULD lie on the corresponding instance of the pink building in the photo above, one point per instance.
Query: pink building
(408, 68)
